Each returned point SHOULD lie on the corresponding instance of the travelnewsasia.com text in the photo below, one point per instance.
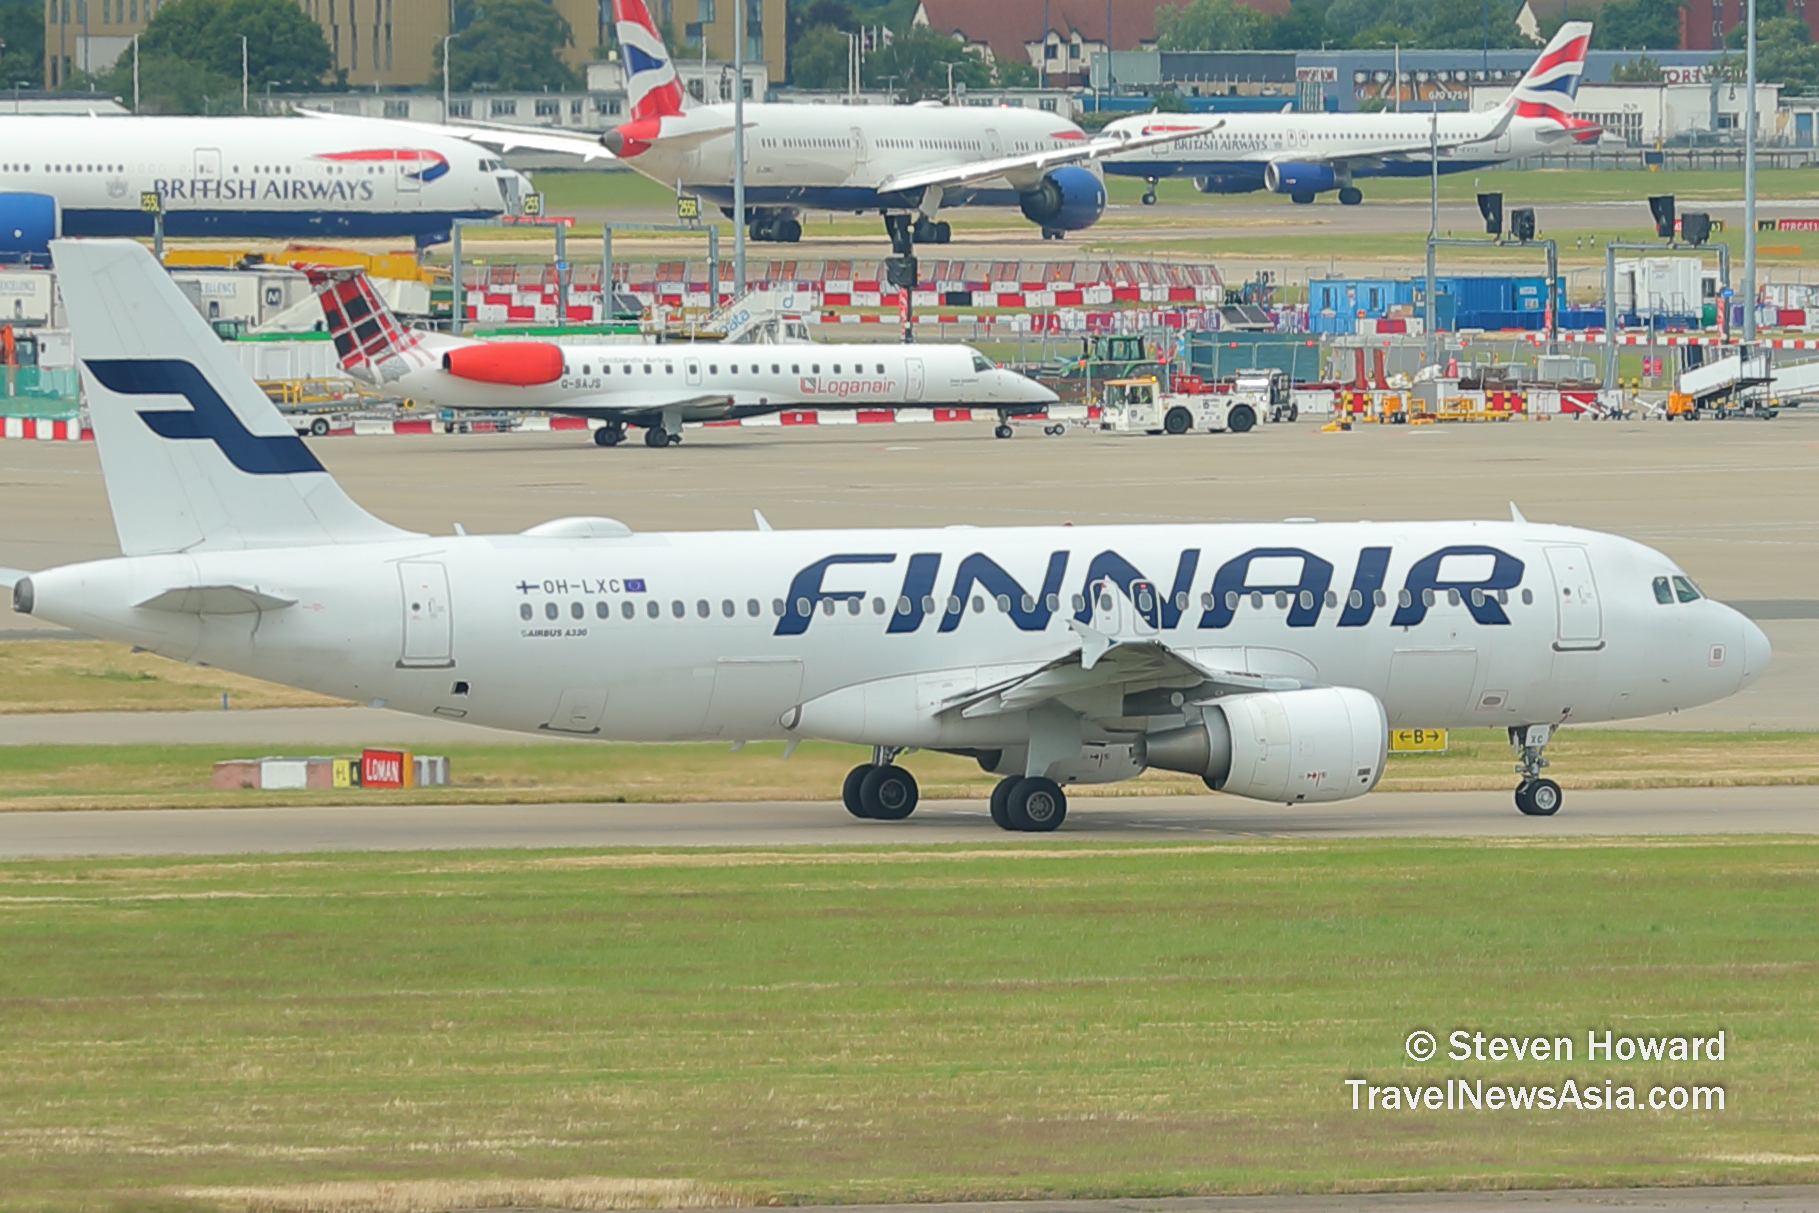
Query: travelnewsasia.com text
(1476, 1095)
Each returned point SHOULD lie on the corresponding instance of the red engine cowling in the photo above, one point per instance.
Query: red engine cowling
(514, 363)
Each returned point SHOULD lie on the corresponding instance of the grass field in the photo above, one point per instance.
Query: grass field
(487, 1028)
(101, 676)
(170, 776)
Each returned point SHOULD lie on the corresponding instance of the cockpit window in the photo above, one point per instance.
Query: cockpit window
(1664, 593)
(980, 364)
(1686, 591)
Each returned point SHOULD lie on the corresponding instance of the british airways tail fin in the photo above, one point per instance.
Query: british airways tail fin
(194, 455)
(650, 77)
(1550, 85)
(369, 340)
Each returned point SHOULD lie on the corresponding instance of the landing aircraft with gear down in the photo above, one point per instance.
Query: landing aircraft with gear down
(656, 387)
(1269, 659)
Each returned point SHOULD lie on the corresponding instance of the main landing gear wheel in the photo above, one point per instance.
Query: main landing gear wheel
(657, 436)
(1052, 233)
(1002, 431)
(1178, 420)
(609, 435)
(1351, 195)
(888, 793)
(849, 791)
(1001, 799)
(1036, 805)
(1302, 198)
(1539, 798)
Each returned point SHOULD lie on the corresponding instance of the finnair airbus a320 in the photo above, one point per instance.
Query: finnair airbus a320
(1269, 659)
(658, 387)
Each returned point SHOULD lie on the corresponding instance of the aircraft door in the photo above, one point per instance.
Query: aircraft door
(912, 391)
(429, 625)
(691, 371)
(1581, 618)
(994, 143)
(208, 163)
(861, 151)
(578, 711)
(1117, 614)
(409, 183)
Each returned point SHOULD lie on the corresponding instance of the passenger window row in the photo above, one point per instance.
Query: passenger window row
(953, 605)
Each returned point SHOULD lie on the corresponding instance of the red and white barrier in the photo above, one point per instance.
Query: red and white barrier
(44, 429)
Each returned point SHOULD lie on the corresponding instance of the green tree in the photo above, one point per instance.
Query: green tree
(1453, 24)
(21, 42)
(1303, 27)
(1638, 25)
(1640, 70)
(1388, 34)
(916, 63)
(1348, 20)
(284, 49)
(1785, 55)
(1206, 25)
(1017, 73)
(510, 44)
(819, 59)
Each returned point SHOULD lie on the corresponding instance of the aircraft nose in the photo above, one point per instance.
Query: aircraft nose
(1756, 652)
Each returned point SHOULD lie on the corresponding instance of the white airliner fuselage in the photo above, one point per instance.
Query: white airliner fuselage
(1271, 659)
(272, 178)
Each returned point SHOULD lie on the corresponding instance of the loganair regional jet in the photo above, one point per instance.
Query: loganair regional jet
(1302, 155)
(907, 162)
(269, 178)
(658, 387)
(1270, 659)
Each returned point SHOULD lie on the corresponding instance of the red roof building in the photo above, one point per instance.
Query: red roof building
(1014, 30)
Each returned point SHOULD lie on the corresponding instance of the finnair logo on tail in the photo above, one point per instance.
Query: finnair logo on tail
(210, 418)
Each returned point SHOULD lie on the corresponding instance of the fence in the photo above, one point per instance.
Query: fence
(32, 391)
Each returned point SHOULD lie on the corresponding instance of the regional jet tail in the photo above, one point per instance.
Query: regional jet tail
(656, 387)
(1304, 155)
(1268, 659)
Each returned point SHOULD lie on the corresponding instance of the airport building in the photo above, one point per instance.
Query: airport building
(393, 43)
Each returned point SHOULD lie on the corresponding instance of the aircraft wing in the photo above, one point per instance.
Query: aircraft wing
(1027, 169)
(647, 404)
(494, 135)
(12, 577)
(1104, 662)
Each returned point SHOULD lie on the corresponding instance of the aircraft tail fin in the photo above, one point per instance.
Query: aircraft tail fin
(372, 344)
(195, 457)
(650, 77)
(1550, 85)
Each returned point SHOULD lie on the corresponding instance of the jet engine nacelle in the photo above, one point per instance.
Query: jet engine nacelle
(1295, 177)
(513, 363)
(1068, 198)
(1294, 747)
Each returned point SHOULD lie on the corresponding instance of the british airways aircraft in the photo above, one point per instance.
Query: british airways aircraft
(1269, 659)
(658, 387)
(909, 163)
(1302, 155)
(256, 178)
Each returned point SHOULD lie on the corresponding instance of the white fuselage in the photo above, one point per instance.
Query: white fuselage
(1237, 151)
(831, 157)
(740, 635)
(709, 381)
(275, 178)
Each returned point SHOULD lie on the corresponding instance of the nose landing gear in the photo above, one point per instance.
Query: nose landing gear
(1535, 796)
(1149, 192)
